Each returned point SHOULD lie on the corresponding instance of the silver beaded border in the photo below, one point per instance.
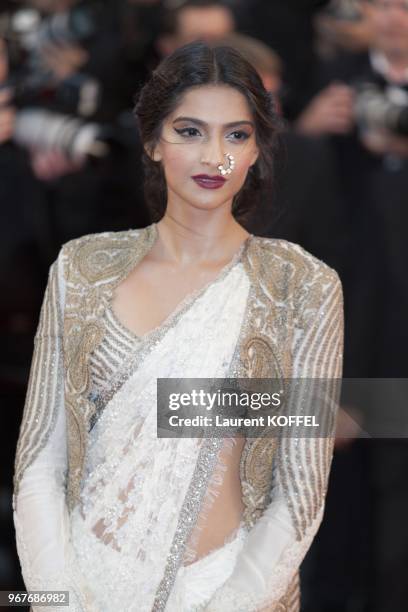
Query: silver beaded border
(205, 466)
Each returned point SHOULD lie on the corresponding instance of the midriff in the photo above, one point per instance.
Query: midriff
(216, 524)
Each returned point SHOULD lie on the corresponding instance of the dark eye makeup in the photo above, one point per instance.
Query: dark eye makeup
(187, 131)
(190, 132)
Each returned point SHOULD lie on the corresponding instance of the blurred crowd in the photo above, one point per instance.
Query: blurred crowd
(70, 164)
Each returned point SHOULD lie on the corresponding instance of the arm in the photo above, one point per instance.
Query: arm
(39, 510)
(275, 547)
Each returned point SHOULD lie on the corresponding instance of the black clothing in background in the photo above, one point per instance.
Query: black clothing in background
(287, 27)
(23, 271)
(305, 206)
(367, 497)
(375, 194)
(103, 196)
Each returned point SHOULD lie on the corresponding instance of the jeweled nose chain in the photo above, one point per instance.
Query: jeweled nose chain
(223, 169)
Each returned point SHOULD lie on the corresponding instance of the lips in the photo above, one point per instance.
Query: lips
(209, 182)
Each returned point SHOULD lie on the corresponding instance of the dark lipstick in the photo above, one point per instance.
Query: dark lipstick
(209, 182)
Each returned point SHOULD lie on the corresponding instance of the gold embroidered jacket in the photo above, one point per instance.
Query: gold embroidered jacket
(293, 327)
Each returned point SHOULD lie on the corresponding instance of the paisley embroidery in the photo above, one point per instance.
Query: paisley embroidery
(257, 361)
(256, 476)
(81, 341)
(93, 266)
(259, 358)
(76, 437)
(101, 260)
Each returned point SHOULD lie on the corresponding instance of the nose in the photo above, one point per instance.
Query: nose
(212, 152)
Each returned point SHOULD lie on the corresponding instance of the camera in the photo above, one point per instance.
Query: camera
(344, 10)
(386, 109)
(27, 33)
(44, 129)
(58, 115)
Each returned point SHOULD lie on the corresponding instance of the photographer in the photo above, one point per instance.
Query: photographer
(46, 165)
(74, 90)
(361, 113)
(373, 165)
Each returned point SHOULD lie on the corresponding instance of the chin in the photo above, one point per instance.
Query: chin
(206, 200)
(209, 204)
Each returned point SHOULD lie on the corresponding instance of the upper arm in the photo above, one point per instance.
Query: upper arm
(42, 430)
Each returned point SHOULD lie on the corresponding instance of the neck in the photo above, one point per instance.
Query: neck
(185, 241)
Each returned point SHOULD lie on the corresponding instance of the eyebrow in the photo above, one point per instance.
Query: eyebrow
(203, 123)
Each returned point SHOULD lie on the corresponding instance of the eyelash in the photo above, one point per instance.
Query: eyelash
(184, 132)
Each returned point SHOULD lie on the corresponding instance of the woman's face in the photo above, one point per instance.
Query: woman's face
(209, 122)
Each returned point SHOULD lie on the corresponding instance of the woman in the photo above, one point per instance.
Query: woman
(102, 507)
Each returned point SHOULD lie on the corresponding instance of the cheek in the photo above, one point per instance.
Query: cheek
(243, 162)
(177, 162)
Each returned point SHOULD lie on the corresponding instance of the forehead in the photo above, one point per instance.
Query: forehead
(214, 104)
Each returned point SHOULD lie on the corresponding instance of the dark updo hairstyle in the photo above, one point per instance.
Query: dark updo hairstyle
(198, 64)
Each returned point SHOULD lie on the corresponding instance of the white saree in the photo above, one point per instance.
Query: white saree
(135, 484)
(129, 541)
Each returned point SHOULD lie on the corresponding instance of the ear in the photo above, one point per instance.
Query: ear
(153, 152)
(254, 157)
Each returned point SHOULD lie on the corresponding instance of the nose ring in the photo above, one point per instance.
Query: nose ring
(231, 165)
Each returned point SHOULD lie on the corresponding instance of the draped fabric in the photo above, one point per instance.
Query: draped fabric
(135, 484)
(132, 538)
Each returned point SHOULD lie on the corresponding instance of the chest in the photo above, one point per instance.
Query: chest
(152, 293)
